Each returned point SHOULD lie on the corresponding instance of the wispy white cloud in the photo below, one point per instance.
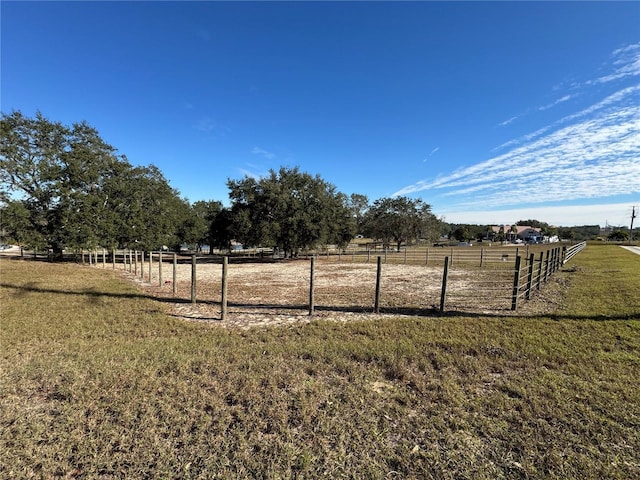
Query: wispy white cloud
(431, 154)
(590, 154)
(508, 121)
(263, 153)
(250, 173)
(553, 104)
(566, 215)
(254, 171)
(625, 95)
(626, 61)
(623, 63)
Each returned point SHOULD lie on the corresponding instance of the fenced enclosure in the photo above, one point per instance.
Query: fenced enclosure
(413, 281)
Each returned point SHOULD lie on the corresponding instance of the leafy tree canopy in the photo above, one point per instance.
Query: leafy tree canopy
(401, 220)
(532, 223)
(290, 210)
(195, 228)
(358, 205)
(619, 236)
(77, 192)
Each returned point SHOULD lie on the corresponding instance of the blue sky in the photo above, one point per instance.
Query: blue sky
(490, 112)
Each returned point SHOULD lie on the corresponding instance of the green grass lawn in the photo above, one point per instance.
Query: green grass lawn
(97, 381)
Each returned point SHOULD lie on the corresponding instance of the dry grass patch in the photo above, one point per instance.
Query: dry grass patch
(97, 381)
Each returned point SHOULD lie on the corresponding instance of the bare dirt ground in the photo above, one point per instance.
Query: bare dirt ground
(278, 293)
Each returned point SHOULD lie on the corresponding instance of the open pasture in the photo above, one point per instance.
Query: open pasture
(99, 380)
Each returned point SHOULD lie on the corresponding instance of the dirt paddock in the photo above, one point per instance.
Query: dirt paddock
(278, 293)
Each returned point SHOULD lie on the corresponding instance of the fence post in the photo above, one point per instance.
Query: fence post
(142, 264)
(160, 268)
(546, 267)
(193, 279)
(405, 255)
(540, 271)
(224, 302)
(113, 259)
(311, 299)
(135, 262)
(376, 307)
(481, 256)
(530, 276)
(150, 264)
(104, 258)
(426, 262)
(175, 273)
(130, 260)
(516, 284)
(451, 259)
(368, 255)
(445, 276)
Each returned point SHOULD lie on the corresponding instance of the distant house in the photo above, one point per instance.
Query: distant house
(522, 233)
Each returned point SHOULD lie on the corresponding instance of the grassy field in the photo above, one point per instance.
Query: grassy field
(97, 381)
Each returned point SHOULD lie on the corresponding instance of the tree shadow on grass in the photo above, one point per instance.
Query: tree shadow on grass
(276, 309)
(90, 292)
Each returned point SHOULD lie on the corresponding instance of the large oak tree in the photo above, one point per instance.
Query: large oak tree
(401, 220)
(290, 210)
(76, 190)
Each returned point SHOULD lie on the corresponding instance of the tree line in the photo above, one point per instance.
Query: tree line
(64, 188)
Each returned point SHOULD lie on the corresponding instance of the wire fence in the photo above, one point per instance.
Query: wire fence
(478, 256)
(474, 280)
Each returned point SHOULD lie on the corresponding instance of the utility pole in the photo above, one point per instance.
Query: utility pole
(633, 215)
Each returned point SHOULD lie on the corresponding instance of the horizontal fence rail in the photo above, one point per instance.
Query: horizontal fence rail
(413, 280)
(573, 251)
